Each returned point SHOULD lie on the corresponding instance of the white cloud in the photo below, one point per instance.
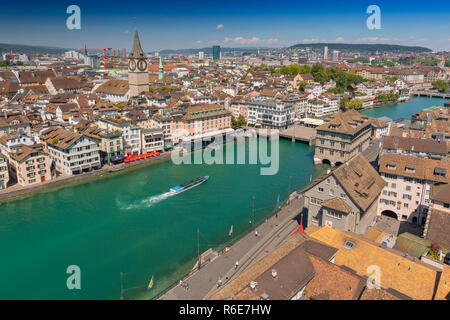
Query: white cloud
(339, 39)
(253, 40)
(219, 27)
(126, 32)
(199, 42)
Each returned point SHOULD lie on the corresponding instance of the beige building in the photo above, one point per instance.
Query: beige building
(342, 136)
(31, 165)
(345, 198)
(137, 69)
(111, 145)
(152, 140)
(4, 172)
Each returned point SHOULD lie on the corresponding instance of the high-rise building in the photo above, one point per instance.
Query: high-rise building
(201, 55)
(160, 69)
(137, 69)
(325, 53)
(216, 52)
(335, 55)
(92, 60)
(124, 53)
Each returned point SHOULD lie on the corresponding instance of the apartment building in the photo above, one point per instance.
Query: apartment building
(438, 222)
(345, 198)
(31, 165)
(271, 114)
(111, 145)
(4, 172)
(152, 140)
(341, 137)
(131, 134)
(434, 149)
(72, 153)
(406, 196)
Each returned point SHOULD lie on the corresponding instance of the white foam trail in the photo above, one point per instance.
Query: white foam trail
(147, 203)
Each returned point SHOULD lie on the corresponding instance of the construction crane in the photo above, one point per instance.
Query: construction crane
(105, 58)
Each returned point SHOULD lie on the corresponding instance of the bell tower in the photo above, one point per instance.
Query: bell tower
(137, 69)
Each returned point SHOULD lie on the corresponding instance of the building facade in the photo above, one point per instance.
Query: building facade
(342, 136)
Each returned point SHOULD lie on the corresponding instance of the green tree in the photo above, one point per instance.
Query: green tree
(303, 84)
(440, 85)
(355, 103)
(393, 79)
(343, 104)
(239, 122)
(319, 73)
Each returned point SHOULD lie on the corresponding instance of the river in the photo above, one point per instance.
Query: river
(127, 222)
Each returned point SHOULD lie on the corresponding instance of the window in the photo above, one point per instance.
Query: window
(407, 196)
(393, 185)
(349, 245)
(405, 205)
(408, 188)
(320, 189)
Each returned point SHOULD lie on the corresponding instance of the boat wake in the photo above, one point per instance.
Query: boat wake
(146, 203)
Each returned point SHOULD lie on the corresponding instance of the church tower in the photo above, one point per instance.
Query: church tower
(137, 69)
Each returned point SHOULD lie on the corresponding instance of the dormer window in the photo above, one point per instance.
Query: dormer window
(391, 166)
(440, 172)
(410, 169)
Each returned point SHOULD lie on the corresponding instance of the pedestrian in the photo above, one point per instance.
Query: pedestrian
(236, 265)
(276, 215)
(219, 283)
(256, 233)
(181, 283)
(187, 286)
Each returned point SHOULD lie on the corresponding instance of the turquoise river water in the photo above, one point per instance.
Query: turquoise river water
(127, 222)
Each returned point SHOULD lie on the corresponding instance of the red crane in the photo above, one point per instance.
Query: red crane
(105, 59)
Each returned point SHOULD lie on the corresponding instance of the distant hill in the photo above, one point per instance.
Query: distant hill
(33, 50)
(364, 47)
(207, 50)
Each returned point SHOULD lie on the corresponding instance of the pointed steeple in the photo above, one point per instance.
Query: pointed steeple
(137, 51)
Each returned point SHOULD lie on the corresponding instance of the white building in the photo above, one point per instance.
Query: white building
(131, 134)
(271, 114)
(71, 152)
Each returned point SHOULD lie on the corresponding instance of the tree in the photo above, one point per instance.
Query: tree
(393, 79)
(441, 85)
(303, 84)
(356, 103)
(319, 73)
(343, 104)
(239, 122)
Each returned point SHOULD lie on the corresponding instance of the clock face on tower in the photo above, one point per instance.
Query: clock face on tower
(142, 65)
(132, 65)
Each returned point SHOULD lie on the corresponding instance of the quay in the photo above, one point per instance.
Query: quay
(63, 180)
(247, 250)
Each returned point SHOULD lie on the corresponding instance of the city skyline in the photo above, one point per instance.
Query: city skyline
(228, 24)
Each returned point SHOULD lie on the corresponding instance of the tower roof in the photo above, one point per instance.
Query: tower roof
(137, 51)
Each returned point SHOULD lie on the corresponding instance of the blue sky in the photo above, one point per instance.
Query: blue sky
(194, 24)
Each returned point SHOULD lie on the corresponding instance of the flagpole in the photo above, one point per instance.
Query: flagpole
(198, 248)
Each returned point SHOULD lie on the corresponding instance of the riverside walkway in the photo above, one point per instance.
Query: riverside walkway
(247, 250)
